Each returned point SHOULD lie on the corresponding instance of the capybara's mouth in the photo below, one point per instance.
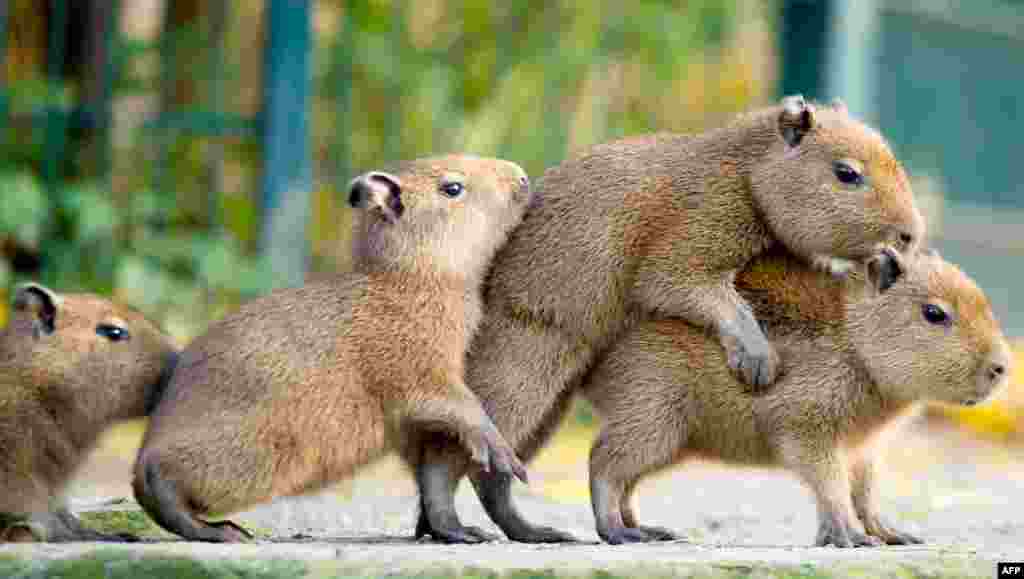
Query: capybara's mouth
(834, 266)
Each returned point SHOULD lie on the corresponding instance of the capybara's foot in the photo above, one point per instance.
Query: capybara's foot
(889, 534)
(623, 535)
(845, 537)
(536, 534)
(658, 533)
(230, 532)
(456, 533)
(752, 357)
(424, 529)
(422, 526)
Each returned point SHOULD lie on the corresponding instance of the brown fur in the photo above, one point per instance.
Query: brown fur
(855, 362)
(657, 226)
(298, 389)
(61, 385)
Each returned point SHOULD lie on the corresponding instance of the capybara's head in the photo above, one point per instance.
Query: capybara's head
(86, 351)
(830, 188)
(450, 213)
(928, 333)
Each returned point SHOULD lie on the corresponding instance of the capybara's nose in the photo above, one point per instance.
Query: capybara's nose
(996, 371)
(997, 367)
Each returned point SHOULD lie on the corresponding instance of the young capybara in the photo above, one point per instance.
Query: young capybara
(298, 389)
(658, 226)
(855, 362)
(70, 366)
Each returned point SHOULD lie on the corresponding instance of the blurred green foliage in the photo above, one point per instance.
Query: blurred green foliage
(172, 228)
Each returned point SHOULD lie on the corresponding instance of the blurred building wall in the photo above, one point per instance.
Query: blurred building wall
(942, 80)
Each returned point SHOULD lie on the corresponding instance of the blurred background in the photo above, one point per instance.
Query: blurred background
(185, 155)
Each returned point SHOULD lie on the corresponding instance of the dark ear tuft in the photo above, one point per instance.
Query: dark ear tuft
(378, 191)
(884, 270)
(41, 302)
(361, 189)
(796, 119)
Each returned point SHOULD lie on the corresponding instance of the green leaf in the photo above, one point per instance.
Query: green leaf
(94, 214)
(25, 211)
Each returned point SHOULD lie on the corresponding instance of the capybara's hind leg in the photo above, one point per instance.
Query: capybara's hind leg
(495, 492)
(862, 479)
(630, 521)
(161, 500)
(613, 474)
(438, 517)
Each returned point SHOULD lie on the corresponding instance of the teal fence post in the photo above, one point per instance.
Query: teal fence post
(287, 167)
(804, 32)
(3, 60)
(55, 111)
(342, 93)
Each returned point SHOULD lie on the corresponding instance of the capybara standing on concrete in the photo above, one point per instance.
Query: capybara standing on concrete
(298, 389)
(658, 226)
(70, 366)
(854, 362)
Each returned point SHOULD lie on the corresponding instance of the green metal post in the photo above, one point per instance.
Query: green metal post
(56, 114)
(3, 55)
(168, 64)
(101, 111)
(342, 81)
(287, 167)
(804, 41)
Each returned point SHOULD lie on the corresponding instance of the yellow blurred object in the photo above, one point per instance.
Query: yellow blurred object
(330, 227)
(562, 465)
(122, 439)
(4, 305)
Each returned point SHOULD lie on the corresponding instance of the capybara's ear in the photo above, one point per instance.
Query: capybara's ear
(41, 302)
(378, 191)
(796, 119)
(884, 270)
(367, 188)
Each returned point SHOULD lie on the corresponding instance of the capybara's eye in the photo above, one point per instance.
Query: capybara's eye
(112, 332)
(847, 174)
(452, 189)
(935, 315)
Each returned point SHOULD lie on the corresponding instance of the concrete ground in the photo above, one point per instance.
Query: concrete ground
(963, 495)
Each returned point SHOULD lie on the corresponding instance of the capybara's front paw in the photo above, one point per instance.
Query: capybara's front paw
(753, 358)
(623, 535)
(451, 532)
(844, 536)
(492, 453)
(461, 534)
(231, 532)
(537, 534)
(658, 533)
(889, 534)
